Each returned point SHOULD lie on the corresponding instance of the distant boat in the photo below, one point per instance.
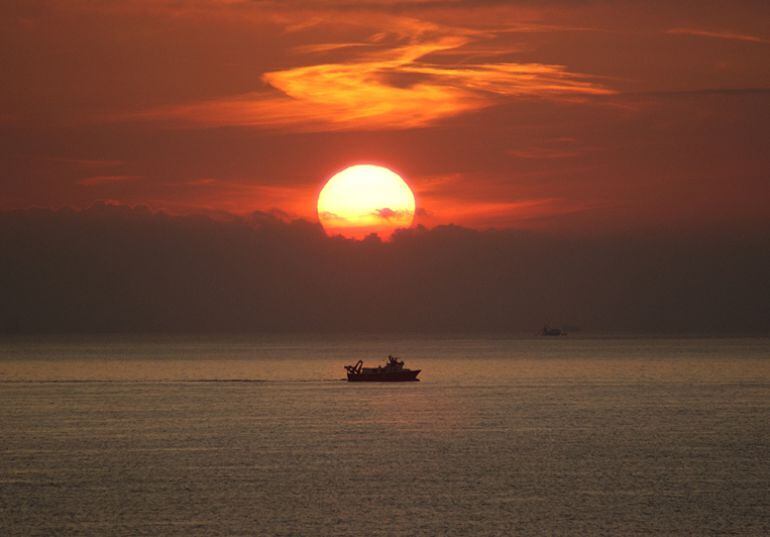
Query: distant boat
(548, 331)
(392, 371)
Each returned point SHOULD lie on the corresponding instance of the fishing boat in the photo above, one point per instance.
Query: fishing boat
(548, 331)
(392, 371)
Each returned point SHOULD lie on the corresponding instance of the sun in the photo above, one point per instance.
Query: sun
(365, 199)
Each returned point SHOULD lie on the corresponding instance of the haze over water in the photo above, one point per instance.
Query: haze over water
(522, 436)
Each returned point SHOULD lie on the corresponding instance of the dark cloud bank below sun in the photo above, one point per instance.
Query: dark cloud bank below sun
(119, 269)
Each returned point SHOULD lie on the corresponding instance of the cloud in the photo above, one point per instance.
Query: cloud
(387, 213)
(519, 214)
(461, 199)
(396, 85)
(203, 181)
(119, 269)
(716, 34)
(329, 216)
(326, 47)
(538, 153)
(107, 179)
(701, 92)
(88, 164)
(233, 196)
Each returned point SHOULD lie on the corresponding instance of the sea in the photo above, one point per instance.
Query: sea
(504, 436)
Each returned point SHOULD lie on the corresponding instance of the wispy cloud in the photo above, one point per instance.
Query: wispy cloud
(364, 92)
(236, 196)
(87, 164)
(386, 213)
(469, 199)
(515, 213)
(326, 47)
(107, 179)
(543, 153)
(562, 148)
(717, 34)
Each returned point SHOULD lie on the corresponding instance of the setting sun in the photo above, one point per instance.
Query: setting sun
(365, 199)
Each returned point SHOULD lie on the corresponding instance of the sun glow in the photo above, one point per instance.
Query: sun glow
(365, 199)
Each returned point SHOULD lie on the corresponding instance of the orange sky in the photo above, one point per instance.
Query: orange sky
(569, 116)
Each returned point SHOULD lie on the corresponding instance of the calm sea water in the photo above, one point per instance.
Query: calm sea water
(259, 436)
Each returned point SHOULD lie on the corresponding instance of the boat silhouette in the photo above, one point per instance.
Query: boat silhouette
(548, 331)
(392, 371)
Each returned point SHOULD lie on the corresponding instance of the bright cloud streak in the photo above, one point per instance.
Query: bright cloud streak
(359, 93)
(731, 36)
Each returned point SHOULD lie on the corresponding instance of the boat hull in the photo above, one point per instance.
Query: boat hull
(392, 376)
